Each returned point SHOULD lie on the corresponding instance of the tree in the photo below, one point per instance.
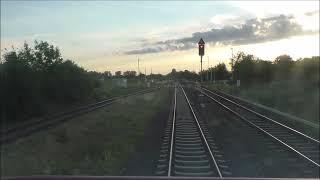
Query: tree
(187, 75)
(17, 85)
(283, 67)
(118, 73)
(46, 55)
(307, 69)
(107, 74)
(221, 72)
(156, 76)
(35, 77)
(244, 68)
(263, 71)
(129, 74)
(283, 59)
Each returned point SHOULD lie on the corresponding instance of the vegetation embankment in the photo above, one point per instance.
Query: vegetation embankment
(98, 143)
(37, 81)
(287, 85)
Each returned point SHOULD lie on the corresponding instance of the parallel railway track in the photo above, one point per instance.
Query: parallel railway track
(302, 145)
(22, 130)
(187, 148)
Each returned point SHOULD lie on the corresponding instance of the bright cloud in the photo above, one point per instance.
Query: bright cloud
(113, 35)
(250, 31)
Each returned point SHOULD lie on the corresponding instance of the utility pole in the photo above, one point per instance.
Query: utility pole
(211, 74)
(232, 64)
(231, 58)
(208, 69)
(138, 66)
(201, 68)
(145, 74)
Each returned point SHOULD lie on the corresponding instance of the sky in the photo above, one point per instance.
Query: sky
(113, 35)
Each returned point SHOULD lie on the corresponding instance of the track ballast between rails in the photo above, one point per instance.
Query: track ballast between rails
(187, 148)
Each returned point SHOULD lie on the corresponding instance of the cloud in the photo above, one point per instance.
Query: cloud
(145, 50)
(251, 31)
(227, 20)
(312, 13)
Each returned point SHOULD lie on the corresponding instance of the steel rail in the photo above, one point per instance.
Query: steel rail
(263, 116)
(202, 134)
(57, 115)
(309, 123)
(172, 132)
(261, 129)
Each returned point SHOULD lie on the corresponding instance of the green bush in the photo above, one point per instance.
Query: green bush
(33, 78)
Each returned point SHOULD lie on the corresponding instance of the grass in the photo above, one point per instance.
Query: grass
(109, 89)
(98, 143)
(293, 97)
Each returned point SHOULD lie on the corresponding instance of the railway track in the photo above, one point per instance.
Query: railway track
(308, 127)
(22, 130)
(187, 148)
(302, 145)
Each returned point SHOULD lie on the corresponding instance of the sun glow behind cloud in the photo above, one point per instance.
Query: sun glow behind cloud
(101, 47)
(301, 46)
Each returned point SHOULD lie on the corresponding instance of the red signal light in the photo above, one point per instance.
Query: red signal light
(201, 47)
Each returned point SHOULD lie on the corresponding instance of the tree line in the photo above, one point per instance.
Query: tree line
(250, 70)
(32, 77)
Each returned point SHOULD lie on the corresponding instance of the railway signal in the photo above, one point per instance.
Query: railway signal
(201, 45)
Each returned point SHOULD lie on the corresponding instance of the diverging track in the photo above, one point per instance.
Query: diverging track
(187, 148)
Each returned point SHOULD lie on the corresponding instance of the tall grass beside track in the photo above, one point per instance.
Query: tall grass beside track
(293, 97)
(98, 143)
(108, 89)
